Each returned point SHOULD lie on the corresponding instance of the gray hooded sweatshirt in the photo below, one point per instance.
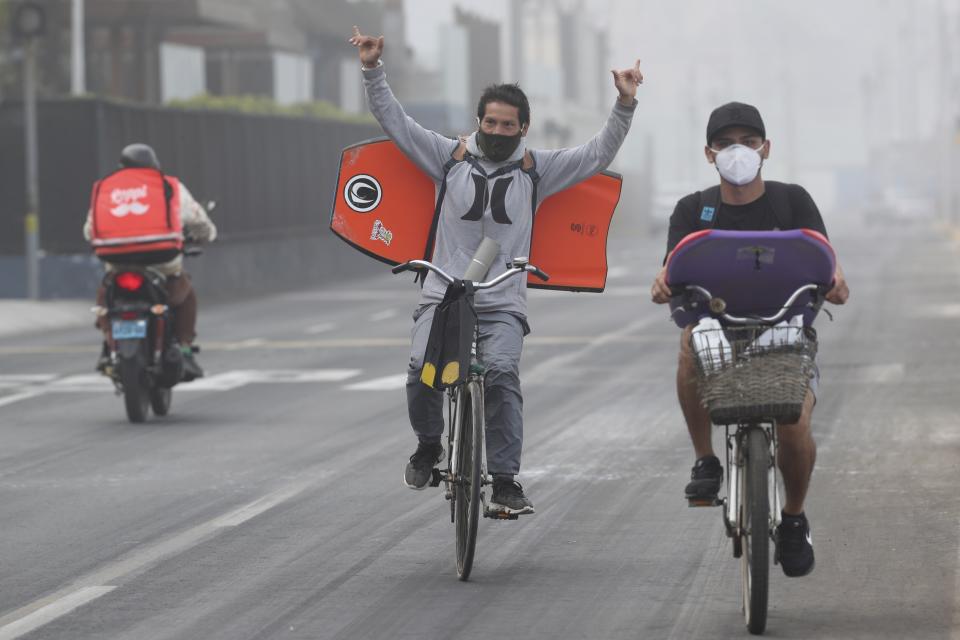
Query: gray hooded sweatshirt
(483, 198)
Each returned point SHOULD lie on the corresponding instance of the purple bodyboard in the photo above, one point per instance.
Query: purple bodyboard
(754, 272)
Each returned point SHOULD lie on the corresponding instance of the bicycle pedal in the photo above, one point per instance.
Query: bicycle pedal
(435, 477)
(500, 515)
(704, 502)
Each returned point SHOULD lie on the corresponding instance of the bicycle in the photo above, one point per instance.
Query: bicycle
(752, 377)
(754, 372)
(466, 474)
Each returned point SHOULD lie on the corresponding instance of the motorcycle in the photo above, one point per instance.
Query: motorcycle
(144, 358)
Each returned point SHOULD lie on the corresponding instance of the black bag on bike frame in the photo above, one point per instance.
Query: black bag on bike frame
(451, 337)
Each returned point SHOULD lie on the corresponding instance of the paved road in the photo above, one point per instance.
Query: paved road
(269, 503)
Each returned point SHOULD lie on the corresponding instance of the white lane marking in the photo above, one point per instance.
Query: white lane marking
(615, 273)
(17, 397)
(872, 373)
(379, 384)
(26, 378)
(386, 314)
(543, 370)
(96, 383)
(52, 611)
(139, 559)
(234, 379)
(321, 327)
(83, 382)
(937, 311)
(248, 343)
(261, 505)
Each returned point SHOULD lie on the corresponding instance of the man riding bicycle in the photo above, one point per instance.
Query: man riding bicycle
(737, 146)
(488, 184)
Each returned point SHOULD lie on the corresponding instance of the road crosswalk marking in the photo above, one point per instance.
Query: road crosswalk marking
(23, 387)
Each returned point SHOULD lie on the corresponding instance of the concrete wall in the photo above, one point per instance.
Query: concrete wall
(224, 271)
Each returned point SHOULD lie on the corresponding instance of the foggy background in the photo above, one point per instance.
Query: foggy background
(860, 98)
(861, 101)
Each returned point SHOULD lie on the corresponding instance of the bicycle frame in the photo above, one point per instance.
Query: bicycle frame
(455, 419)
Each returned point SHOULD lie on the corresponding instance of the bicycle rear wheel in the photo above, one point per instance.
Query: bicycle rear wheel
(469, 477)
(755, 528)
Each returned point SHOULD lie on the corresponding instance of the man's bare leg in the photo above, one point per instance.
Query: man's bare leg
(796, 455)
(697, 418)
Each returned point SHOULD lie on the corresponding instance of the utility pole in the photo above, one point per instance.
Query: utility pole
(78, 80)
(29, 23)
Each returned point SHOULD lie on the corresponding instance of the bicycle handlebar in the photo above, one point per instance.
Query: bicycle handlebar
(721, 313)
(512, 270)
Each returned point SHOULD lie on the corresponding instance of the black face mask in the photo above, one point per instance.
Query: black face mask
(497, 147)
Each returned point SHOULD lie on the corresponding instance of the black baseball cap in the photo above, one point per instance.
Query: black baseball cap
(734, 114)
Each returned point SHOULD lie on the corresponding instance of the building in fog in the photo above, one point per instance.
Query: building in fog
(158, 50)
(558, 55)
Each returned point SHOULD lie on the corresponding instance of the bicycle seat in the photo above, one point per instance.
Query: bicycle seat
(754, 272)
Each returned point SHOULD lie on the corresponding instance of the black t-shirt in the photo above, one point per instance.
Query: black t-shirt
(753, 216)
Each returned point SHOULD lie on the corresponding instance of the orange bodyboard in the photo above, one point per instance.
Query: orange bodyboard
(384, 206)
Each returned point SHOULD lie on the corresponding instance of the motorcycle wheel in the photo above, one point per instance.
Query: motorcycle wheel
(160, 400)
(136, 394)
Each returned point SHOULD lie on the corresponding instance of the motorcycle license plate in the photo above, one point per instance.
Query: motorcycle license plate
(129, 329)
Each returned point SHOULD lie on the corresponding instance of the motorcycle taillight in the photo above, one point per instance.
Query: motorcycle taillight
(129, 280)
(129, 315)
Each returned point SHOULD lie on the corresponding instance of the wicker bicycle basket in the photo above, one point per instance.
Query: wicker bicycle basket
(754, 373)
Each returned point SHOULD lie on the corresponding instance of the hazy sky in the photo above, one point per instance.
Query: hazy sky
(803, 64)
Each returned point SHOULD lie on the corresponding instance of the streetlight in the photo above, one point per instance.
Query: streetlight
(29, 23)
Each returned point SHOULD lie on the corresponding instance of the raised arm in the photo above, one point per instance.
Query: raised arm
(565, 167)
(427, 149)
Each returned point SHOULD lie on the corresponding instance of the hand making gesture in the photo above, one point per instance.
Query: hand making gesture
(369, 48)
(626, 82)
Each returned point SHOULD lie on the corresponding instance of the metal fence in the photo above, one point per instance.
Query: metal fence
(272, 176)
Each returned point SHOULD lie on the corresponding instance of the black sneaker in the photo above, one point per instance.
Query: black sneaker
(425, 458)
(705, 479)
(104, 360)
(794, 546)
(508, 497)
(191, 370)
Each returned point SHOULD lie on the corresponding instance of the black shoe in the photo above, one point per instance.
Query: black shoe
(794, 546)
(705, 479)
(104, 360)
(508, 497)
(191, 370)
(425, 458)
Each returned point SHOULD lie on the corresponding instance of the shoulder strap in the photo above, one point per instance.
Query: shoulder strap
(168, 196)
(458, 155)
(780, 203)
(708, 207)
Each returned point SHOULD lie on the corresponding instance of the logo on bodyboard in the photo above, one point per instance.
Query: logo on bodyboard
(362, 193)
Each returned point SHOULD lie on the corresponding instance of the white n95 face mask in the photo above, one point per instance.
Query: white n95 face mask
(738, 164)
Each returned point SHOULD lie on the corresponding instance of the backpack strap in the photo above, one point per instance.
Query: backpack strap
(708, 207)
(779, 198)
(458, 156)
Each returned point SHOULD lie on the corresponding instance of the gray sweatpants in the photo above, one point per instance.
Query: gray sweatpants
(500, 345)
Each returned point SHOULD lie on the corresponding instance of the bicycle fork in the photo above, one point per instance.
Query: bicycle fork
(732, 508)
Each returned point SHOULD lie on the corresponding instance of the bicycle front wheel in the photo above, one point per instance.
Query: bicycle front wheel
(755, 528)
(469, 477)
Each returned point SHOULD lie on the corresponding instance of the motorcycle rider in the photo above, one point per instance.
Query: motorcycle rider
(506, 183)
(737, 145)
(123, 231)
